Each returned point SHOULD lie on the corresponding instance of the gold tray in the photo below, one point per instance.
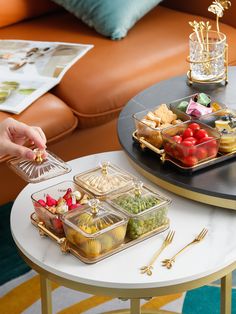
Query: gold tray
(67, 247)
(166, 158)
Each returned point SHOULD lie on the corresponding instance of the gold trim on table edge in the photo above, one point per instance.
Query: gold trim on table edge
(131, 293)
(196, 196)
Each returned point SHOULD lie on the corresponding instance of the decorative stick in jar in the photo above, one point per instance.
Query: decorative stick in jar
(217, 7)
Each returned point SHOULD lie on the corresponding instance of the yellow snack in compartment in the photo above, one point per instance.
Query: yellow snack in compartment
(107, 242)
(71, 235)
(118, 233)
(92, 248)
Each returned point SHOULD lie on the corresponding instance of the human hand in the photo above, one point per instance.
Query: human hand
(14, 134)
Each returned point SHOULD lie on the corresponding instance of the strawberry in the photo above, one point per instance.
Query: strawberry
(68, 194)
(69, 201)
(42, 203)
(50, 201)
(73, 206)
(57, 224)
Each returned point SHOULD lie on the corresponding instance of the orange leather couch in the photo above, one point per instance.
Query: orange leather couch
(79, 115)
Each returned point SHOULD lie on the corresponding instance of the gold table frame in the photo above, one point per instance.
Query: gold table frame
(134, 295)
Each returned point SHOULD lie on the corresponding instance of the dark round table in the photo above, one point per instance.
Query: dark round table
(215, 185)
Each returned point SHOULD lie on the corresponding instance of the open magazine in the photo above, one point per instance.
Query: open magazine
(28, 69)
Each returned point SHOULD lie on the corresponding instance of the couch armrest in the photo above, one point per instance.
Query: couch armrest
(14, 11)
(199, 7)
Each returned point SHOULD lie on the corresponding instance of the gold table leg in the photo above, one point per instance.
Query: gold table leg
(226, 294)
(46, 296)
(135, 306)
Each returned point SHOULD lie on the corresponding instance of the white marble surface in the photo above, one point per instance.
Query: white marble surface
(122, 270)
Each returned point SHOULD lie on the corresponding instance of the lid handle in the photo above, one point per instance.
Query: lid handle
(138, 187)
(93, 203)
(40, 155)
(104, 166)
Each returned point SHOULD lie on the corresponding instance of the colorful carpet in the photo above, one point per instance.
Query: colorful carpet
(20, 289)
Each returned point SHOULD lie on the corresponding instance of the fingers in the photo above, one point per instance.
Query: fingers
(19, 150)
(38, 137)
(34, 134)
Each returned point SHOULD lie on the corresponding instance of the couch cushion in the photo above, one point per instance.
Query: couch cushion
(50, 113)
(110, 18)
(16, 10)
(100, 83)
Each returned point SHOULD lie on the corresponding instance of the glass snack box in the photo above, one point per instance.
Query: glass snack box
(191, 143)
(45, 166)
(196, 105)
(149, 123)
(51, 203)
(145, 209)
(225, 122)
(95, 230)
(103, 180)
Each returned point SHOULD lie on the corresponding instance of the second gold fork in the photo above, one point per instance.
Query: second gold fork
(148, 268)
(168, 263)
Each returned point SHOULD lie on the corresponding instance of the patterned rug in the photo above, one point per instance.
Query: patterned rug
(20, 289)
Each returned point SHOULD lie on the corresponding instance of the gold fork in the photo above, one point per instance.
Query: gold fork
(170, 261)
(148, 268)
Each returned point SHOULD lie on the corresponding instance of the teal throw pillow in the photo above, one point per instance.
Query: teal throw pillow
(111, 18)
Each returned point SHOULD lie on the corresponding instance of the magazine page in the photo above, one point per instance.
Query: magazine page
(18, 92)
(28, 69)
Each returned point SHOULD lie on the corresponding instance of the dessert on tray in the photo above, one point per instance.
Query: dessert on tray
(197, 105)
(226, 125)
(224, 121)
(150, 123)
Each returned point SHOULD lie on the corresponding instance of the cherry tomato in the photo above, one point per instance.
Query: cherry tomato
(194, 126)
(177, 138)
(187, 133)
(191, 151)
(201, 153)
(191, 139)
(187, 143)
(190, 161)
(204, 139)
(212, 152)
(168, 148)
(210, 142)
(200, 134)
(185, 147)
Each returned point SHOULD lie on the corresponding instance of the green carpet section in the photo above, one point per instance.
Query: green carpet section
(11, 264)
(205, 300)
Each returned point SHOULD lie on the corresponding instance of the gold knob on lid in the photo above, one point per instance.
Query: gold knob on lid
(93, 203)
(39, 156)
(138, 187)
(104, 165)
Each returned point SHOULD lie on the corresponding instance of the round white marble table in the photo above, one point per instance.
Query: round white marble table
(119, 275)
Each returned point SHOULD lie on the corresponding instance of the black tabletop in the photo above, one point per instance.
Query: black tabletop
(217, 180)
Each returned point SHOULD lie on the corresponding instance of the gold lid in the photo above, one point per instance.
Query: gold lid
(95, 218)
(45, 166)
(104, 179)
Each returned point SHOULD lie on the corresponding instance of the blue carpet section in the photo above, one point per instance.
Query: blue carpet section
(11, 264)
(205, 300)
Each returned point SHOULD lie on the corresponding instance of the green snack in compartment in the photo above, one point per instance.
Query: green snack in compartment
(145, 209)
(182, 106)
(203, 99)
